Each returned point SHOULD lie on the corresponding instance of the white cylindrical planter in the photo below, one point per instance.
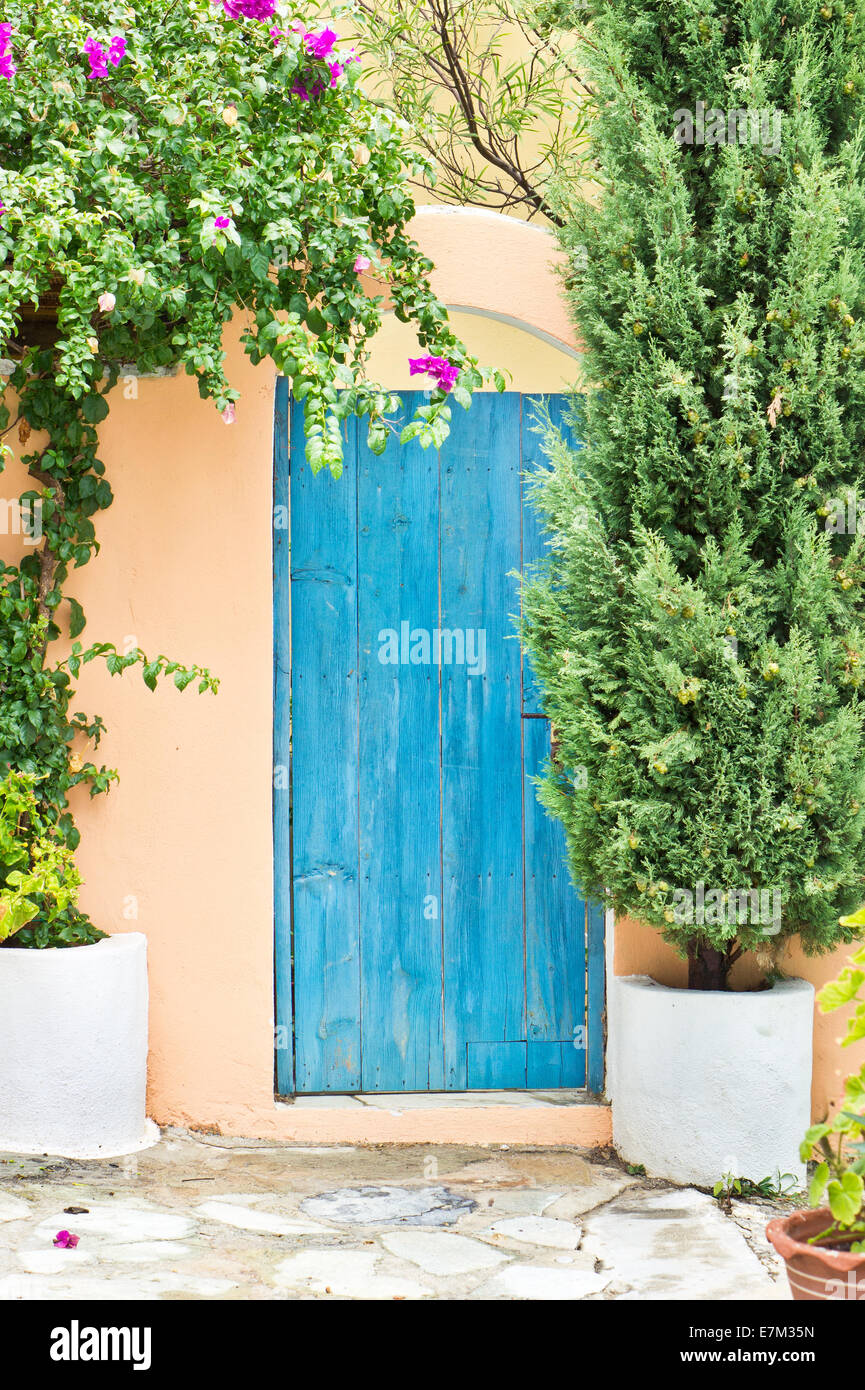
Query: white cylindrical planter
(73, 1049)
(707, 1082)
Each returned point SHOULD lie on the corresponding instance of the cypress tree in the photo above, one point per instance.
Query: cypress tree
(697, 624)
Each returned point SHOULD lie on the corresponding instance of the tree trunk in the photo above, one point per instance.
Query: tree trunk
(708, 968)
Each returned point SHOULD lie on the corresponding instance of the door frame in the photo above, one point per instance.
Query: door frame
(596, 936)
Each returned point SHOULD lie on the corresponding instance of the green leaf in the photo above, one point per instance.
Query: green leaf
(94, 408)
(78, 621)
(841, 991)
(845, 1197)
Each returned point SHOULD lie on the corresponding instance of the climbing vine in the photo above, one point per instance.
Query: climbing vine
(165, 168)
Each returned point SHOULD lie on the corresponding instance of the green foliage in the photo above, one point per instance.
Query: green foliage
(772, 1187)
(38, 878)
(838, 1145)
(699, 624)
(111, 189)
(114, 185)
(492, 94)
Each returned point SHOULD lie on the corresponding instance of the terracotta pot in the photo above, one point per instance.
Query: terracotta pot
(813, 1271)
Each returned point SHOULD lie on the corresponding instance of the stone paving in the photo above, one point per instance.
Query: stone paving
(200, 1217)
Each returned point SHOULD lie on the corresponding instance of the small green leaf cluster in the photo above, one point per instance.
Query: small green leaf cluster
(38, 878)
(838, 1144)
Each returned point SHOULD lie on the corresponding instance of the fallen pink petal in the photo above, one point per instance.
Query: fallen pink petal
(64, 1240)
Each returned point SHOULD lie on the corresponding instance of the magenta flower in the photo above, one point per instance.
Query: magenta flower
(65, 1240)
(444, 372)
(96, 57)
(7, 67)
(2, 207)
(362, 263)
(300, 89)
(320, 46)
(222, 222)
(99, 59)
(248, 9)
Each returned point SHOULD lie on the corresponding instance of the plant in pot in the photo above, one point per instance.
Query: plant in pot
(71, 1042)
(164, 169)
(824, 1247)
(697, 624)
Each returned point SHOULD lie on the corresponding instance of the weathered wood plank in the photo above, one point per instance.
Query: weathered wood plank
(481, 744)
(487, 1063)
(550, 1066)
(555, 920)
(400, 800)
(324, 690)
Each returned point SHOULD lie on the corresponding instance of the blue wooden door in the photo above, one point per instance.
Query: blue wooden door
(428, 936)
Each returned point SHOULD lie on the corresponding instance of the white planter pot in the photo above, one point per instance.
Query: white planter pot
(707, 1082)
(73, 1049)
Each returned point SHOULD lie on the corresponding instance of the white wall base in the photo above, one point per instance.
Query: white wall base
(710, 1082)
(73, 1049)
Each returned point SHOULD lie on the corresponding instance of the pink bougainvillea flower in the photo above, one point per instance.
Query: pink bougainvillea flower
(362, 263)
(2, 207)
(320, 46)
(106, 302)
(444, 372)
(222, 223)
(96, 57)
(248, 9)
(229, 414)
(99, 59)
(7, 67)
(65, 1240)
